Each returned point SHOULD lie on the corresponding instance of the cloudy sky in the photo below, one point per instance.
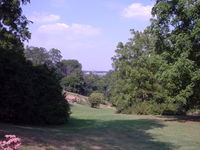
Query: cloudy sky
(86, 30)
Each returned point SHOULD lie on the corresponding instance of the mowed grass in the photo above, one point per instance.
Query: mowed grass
(103, 129)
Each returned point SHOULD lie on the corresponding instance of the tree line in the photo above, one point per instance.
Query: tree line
(158, 70)
(69, 71)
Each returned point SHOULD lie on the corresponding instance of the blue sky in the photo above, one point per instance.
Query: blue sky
(86, 30)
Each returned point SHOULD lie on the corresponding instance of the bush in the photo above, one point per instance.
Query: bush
(11, 143)
(128, 110)
(149, 108)
(194, 112)
(29, 94)
(141, 108)
(51, 108)
(96, 99)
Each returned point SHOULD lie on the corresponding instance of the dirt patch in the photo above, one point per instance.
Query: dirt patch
(75, 98)
(107, 106)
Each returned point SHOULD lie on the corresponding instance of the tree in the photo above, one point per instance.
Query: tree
(68, 67)
(100, 84)
(72, 76)
(48, 105)
(109, 81)
(73, 83)
(28, 94)
(13, 25)
(55, 55)
(37, 55)
(160, 66)
(91, 83)
(136, 67)
(176, 28)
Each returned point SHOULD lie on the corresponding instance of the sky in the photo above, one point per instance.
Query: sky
(86, 30)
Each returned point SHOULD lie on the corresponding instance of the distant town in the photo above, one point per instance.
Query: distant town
(99, 73)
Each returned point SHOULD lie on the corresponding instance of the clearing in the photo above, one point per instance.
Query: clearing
(103, 129)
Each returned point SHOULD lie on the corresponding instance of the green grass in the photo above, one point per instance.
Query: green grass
(103, 129)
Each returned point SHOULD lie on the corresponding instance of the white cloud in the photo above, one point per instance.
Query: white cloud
(56, 28)
(83, 29)
(43, 17)
(69, 30)
(137, 10)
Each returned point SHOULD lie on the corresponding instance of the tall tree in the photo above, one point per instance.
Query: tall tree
(55, 55)
(28, 94)
(68, 67)
(37, 55)
(136, 67)
(176, 27)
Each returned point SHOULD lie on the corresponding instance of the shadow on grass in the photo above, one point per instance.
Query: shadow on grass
(91, 135)
(180, 118)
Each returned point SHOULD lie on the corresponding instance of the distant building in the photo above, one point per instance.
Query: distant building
(99, 73)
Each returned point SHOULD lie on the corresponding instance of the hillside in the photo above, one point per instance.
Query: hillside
(75, 98)
(103, 129)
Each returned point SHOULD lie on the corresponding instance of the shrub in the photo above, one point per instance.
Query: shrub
(193, 112)
(12, 143)
(96, 99)
(141, 108)
(128, 110)
(29, 94)
(149, 108)
(172, 109)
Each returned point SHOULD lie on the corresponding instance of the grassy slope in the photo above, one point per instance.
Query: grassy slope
(93, 129)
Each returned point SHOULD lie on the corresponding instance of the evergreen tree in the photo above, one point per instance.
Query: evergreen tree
(137, 68)
(28, 94)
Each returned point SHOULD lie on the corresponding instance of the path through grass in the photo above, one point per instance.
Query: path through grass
(102, 129)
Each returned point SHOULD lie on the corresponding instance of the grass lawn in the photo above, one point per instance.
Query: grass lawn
(102, 129)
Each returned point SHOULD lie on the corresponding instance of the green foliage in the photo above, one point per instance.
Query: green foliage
(193, 112)
(137, 70)
(69, 67)
(13, 25)
(105, 84)
(69, 71)
(28, 94)
(161, 65)
(91, 83)
(152, 108)
(39, 55)
(55, 55)
(51, 106)
(176, 30)
(101, 84)
(142, 108)
(96, 99)
(73, 83)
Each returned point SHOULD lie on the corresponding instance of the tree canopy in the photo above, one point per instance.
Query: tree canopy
(161, 64)
(13, 24)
